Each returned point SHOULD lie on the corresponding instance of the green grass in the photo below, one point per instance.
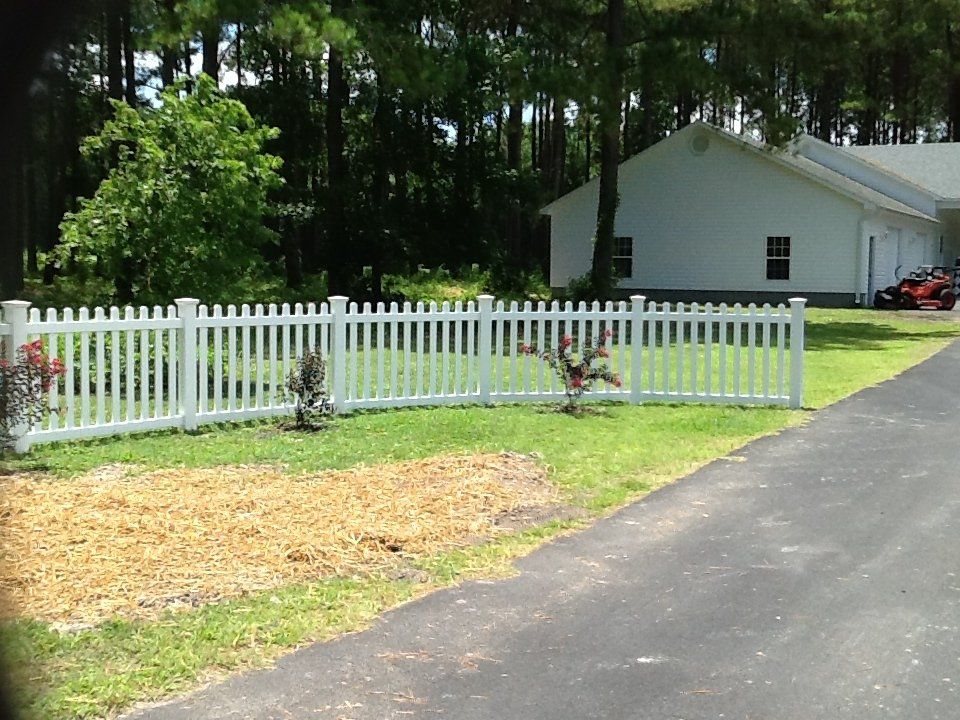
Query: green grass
(599, 461)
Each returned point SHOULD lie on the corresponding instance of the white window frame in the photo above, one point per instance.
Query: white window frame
(617, 255)
(776, 254)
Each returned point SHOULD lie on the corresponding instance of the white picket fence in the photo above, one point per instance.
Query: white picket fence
(141, 369)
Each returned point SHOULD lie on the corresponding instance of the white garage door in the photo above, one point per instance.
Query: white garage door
(912, 251)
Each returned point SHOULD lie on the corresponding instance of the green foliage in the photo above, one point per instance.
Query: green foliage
(184, 206)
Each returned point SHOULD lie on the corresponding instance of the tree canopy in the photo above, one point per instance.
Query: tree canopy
(417, 132)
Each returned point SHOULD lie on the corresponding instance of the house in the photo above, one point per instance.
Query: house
(709, 215)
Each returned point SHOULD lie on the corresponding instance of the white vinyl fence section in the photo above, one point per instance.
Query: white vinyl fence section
(137, 369)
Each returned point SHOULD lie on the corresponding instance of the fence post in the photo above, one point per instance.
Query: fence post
(484, 349)
(187, 314)
(796, 351)
(15, 314)
(636, 345)
(338, 313)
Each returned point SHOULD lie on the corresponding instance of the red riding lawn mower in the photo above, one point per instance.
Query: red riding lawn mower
(929, 287)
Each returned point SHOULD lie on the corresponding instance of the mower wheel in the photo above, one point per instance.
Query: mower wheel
(947, 299)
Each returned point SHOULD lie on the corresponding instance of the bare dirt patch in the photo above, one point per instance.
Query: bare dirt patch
(120, 541)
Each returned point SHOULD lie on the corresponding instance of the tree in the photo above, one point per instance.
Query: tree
(611, 103)
(182, 212)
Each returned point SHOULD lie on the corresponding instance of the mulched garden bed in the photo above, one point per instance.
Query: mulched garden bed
(125, 542)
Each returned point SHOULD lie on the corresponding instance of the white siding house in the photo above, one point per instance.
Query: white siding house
(708, 215)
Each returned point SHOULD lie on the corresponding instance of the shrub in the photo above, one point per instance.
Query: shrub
(308, 383)
(22, 385)
(183, 207)
(577, 375)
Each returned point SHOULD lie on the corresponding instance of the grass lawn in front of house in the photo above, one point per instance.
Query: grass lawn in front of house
(598, 461)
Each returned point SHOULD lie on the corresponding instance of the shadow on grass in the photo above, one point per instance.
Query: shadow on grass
(868, 335)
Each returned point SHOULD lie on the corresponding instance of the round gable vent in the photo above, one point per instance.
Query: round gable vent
(700, 143)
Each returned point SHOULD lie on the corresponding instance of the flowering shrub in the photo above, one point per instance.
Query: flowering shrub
(577, 375)
(22, 385)
(308, 383)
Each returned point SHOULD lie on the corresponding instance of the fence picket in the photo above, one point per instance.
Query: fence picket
(277, 395)
(781, 344)
(232, 357)
(144, 366)
(420, 341)
(432, 328)
(751, 348)
(708, 350)
(115, 366)
(394, 352)
(472, 385)
(157, 364)
(367, 327)
(406, 350)
(445, 344)
(353, 328)
(458, 345)
(217, 360)
(245, 372)
(172, 384)
(681, 350)
(695, 350)
(766, 349)
(452, 340)
(84, 315)
(722, 340)
(652, 348)
(53, 350)
(203, 382)
(380, 353)
(258, 359)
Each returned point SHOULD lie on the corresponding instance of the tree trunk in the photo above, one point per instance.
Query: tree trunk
(11, 240)
(611, 99)
(338, 255)
(168, 53)
(114, 50)
(381, 195)
(210, 37)
(129, 62)
(515, 244)
(587, 150)
(558, 144)
(533, 132)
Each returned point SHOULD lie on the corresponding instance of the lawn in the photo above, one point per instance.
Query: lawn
(598, 461)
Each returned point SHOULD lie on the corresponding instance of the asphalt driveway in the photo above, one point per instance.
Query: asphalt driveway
(814, 575)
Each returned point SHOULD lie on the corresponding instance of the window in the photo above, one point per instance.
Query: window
(623, 257)
(778, 258)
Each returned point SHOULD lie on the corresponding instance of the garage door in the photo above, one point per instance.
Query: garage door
(912, 251)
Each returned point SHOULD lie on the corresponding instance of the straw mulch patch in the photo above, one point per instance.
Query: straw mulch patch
(128, 543)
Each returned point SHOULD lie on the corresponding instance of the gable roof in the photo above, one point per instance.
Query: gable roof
(935, 167)
(786, 158)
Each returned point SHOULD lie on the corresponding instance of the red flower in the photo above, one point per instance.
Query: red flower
(602, 352)
(566, 342)
(617, 382)
(576, 381)
(608, 333)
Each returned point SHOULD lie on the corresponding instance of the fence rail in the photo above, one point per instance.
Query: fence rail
(186, 364)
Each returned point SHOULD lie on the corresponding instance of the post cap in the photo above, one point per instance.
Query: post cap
(798, 300)
(638, 298)
(187, 301)
(12, 304)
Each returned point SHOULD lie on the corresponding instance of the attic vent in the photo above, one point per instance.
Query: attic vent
(699, 144)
